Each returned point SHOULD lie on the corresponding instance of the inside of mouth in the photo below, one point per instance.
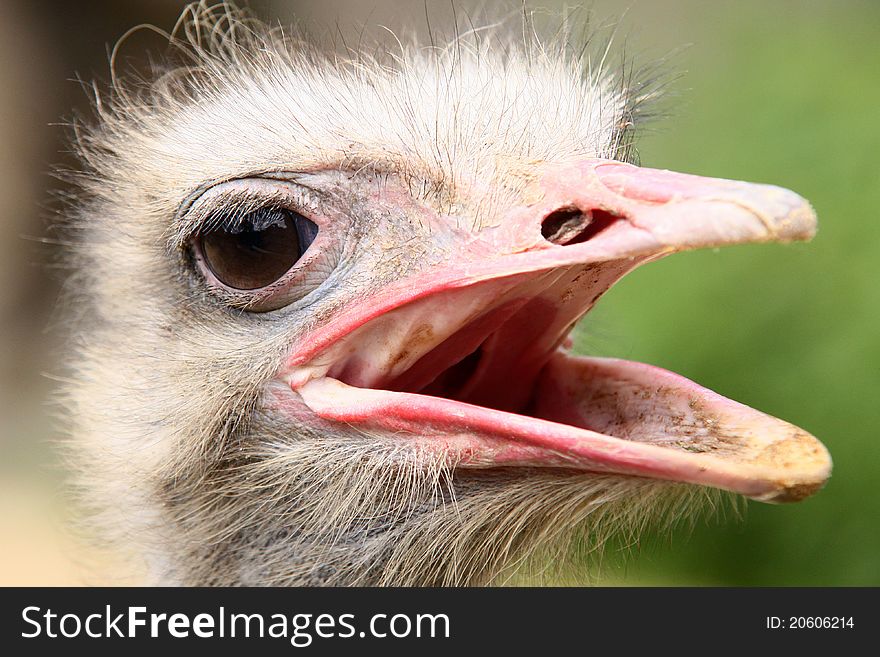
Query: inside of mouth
(494, 362)
(459, 382)
(452, 382)
(496, 359)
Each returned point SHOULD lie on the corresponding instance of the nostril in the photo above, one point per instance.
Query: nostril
(561, 226)
(572, 225)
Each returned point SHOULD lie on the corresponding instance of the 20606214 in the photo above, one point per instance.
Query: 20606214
(810, 623)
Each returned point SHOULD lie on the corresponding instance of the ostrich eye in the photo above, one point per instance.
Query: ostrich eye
(258, 249)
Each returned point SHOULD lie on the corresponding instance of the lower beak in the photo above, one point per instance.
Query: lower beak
(470, 359)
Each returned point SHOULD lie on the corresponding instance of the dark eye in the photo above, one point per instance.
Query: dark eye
(258, 249)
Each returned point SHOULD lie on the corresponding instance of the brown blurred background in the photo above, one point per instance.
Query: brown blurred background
(782, 92)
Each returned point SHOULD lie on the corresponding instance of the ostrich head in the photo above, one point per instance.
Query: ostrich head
(326, 305)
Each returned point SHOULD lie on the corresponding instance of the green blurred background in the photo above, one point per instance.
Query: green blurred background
(780, 92)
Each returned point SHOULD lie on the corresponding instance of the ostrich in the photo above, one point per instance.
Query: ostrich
(325, 303)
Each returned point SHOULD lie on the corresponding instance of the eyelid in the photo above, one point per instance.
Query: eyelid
(237, 198)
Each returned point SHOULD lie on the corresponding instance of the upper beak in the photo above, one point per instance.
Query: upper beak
(468, 356)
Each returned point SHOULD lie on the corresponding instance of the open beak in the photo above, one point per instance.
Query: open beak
(470, 356)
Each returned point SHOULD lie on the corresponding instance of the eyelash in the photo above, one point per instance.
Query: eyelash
(232, 208)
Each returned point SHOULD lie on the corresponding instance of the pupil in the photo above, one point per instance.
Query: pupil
(255, 253)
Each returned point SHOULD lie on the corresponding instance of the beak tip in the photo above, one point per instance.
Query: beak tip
(809, 466)
(766, 213)
(796, 221)
(792, 493)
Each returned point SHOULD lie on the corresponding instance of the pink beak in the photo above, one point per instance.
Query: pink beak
(469, 357)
